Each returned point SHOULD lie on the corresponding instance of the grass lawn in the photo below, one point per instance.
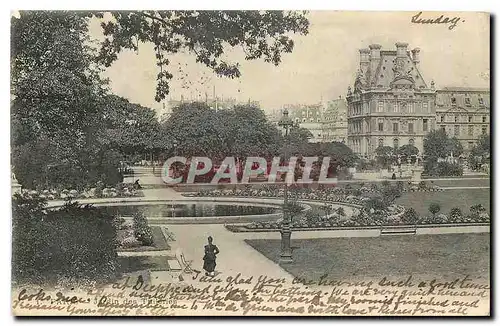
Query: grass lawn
(461, 183)
(446, 256)
(462, 198)
(139, 263)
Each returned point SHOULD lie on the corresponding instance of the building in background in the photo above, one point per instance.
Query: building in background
(335, 121)
(464, 113)
(391, 104)
(309, 117)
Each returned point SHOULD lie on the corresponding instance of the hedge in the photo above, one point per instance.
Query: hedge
(73, 245)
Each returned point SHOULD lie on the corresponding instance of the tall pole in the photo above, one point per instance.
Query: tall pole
(286, 231)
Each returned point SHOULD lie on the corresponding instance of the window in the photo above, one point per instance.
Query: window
(471, 130)
(456, 130)
(425, 124)
(471, 145)
(481, 101)
(303, 119)
(442, 118)
(456, 118)
(311, 119)
(411, 108)
(380, 125)
(381, 142)
(467, 101)
(410, 127)
(453, 100)
(484, 130)
(484, 119)
(396, 143)
(395, 127)
(411, 142)
(443, 128)
(470, 118)
(318, 119)
(396, 107)
(425, 106)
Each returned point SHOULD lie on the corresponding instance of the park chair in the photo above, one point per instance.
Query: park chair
(169, 236)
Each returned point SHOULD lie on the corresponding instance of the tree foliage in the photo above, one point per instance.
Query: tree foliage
(206, 34)
(384, 156)
(437, 145)
(49, 247)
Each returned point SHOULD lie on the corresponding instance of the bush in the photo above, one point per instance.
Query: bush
(142, 231)
(456, 215)
(448, 169)
(74, 244)
(434, 208)
(410, 217)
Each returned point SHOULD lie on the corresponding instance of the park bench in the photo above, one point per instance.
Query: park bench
(398, 230)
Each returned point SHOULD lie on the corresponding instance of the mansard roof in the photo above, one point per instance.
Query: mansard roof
(386, 72)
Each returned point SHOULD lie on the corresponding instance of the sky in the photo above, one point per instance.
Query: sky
(323, 63)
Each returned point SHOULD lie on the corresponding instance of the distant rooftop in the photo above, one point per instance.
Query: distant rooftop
(464, 89)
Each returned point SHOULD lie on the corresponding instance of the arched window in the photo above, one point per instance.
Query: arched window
(396, 143)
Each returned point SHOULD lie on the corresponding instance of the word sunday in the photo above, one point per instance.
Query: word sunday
(232, 169)
(451, 21)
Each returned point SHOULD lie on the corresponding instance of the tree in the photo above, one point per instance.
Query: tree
(206, 34)
(239, 132)
(57, 93)
(410, 216)
(480, 153)
(130, 128)
(434, 208)
(407, 151)
(384, 156)
(437, 145)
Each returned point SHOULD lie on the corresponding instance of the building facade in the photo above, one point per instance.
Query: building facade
(464, 113)
(309, 117)
(390, 104)
(335, 121)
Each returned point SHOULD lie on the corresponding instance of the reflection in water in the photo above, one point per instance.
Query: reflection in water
(190, 210)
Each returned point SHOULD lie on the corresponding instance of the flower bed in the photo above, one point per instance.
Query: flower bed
(121, 191)
(395, 215)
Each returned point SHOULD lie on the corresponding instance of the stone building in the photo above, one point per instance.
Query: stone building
(309, 117)
(390, 104)
(335, 121)
(464, 113)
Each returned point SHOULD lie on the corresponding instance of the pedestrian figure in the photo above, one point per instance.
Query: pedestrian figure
(209, 263)
(137, 185)
(394, 176)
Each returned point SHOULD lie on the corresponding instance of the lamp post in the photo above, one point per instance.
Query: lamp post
(286, 231)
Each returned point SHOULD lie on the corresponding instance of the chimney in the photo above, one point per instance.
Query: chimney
(416, 55)
(401, 49)
(364, 59)
(374, 57)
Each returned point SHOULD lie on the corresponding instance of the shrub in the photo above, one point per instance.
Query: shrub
(74, 244)
(456, 215)
(312, 218)
(477, 209)
(448, 169)
(422, 185)
(142, 231)
(410, 216)
(434, 208)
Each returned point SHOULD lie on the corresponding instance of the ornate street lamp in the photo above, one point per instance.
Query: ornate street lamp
(286, 232)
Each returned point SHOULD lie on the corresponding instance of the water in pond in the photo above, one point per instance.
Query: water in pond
(190, 210)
